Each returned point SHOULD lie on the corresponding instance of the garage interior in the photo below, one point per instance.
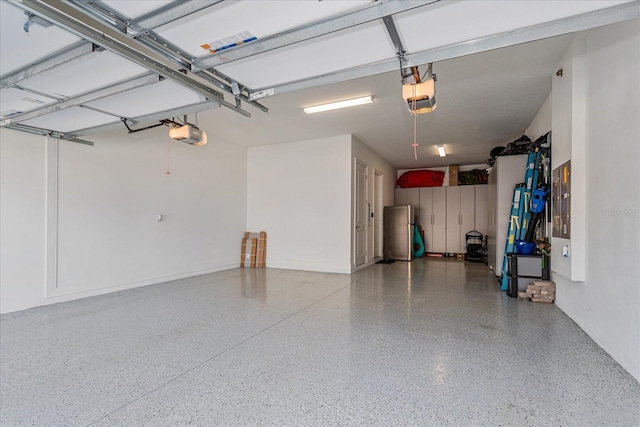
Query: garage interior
(121, 295)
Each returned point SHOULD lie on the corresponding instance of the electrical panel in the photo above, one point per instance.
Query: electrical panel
(561, 196)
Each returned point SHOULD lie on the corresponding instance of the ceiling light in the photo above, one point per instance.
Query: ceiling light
(339, 104)
(441, 151)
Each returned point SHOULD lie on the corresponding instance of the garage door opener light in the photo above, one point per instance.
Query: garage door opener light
(420, 95)
(188, 134)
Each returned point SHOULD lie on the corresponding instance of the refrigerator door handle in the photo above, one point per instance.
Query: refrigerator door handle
(410, 241)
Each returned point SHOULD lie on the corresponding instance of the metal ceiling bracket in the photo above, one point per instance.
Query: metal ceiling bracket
(87, 27)
(572, 24)
(393, 33)
(212, 77)
(397, 43)
(235, 89)
(165, 48)
(34, 19)
(50, 133)
(369, 13)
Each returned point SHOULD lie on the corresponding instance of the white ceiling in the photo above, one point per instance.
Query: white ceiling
(17, 50)
(260, 18)
(484, 99)
(83, 74)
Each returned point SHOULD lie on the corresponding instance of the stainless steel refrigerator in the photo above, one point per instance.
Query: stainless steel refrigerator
(398, 232)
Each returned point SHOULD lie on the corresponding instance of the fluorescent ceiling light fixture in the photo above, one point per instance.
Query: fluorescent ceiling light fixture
(441, 151)
(339, 104)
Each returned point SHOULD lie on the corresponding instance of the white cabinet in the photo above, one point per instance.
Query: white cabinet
(408, 196)
(507, 172)
(433, 218)
(460, 216)
(439, 219)
(447, 214)
(453, 220)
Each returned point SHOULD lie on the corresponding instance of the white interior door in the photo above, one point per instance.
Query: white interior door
(377, 213)
(361, 213)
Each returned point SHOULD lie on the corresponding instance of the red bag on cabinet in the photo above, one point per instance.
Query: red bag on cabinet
(420, 178)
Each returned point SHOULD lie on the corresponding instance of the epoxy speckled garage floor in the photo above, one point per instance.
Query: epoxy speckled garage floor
(432, 342)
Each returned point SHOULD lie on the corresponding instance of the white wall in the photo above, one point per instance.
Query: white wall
(300, 194)
(22, 220)
(601, 81)
(367, 155)
(105, 236)
(363, 153)
(569, 143)
(541, 123)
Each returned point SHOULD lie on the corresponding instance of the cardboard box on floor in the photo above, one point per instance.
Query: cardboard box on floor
(254, 250)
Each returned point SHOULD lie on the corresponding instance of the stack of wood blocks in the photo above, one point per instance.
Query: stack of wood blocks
(540, 291)
(254, 250)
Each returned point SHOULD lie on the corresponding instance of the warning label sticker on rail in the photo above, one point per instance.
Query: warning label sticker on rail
(261, 94)
(228, 42)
